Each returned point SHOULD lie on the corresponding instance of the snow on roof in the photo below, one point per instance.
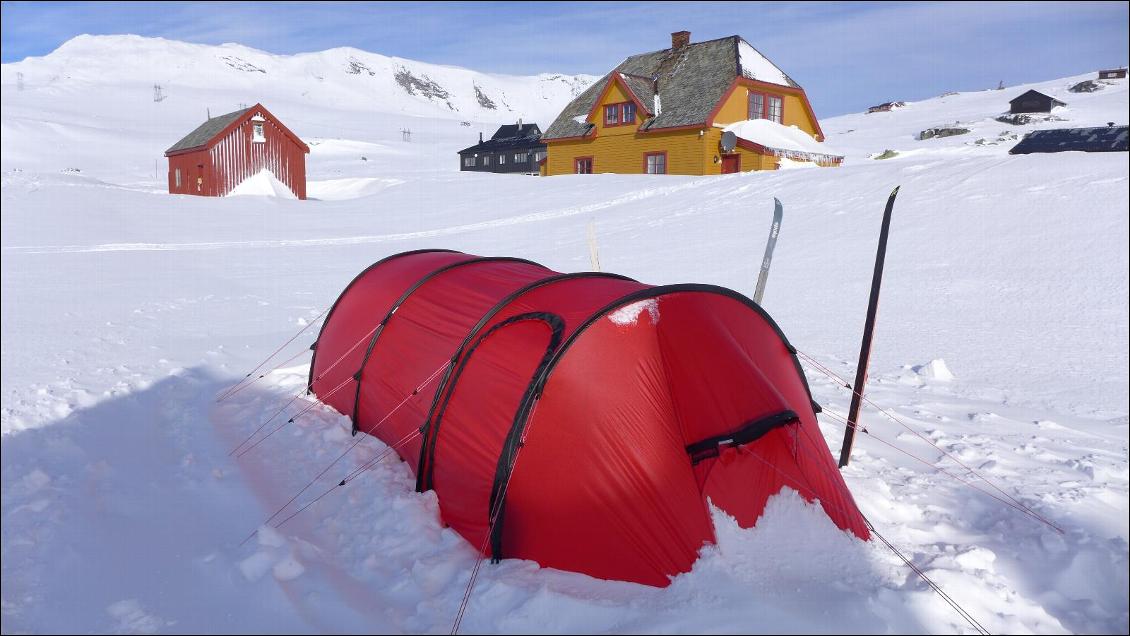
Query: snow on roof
(756, 66)
(779, 137)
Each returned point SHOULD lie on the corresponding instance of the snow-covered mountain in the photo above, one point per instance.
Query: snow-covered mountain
(126, 310)
(340, 79)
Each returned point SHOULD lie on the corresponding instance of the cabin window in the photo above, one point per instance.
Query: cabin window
(655, 163)
(521, 157)
(776, 107)
(765, 106)
(178, 177)
(620, 114)
(539, 156)
(582, 165)
(501, 159)
(468, 162)
(611, 114)
(257, 132)
(628, 113)
(486, 160)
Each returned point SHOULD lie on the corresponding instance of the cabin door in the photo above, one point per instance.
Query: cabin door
(731, 164)
(199, 178)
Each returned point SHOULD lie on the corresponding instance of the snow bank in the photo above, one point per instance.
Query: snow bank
(263, 184)
(778, 136)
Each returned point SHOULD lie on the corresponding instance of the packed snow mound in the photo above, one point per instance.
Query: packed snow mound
(778, 136)
(262, 184)
(934, 370)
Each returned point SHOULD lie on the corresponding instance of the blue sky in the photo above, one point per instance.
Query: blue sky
(846, 55)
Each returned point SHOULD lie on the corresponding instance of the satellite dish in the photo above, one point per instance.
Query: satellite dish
(729, 140)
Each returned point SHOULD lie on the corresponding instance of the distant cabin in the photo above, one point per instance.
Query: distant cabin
(515, 148)
(222, 152)
(1113, 73)
(1034, 102)
(667, 112)
(1098, 139)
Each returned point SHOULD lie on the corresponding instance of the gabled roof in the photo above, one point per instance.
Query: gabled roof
(526, 137)
(516, 130)
(691, 81)
(204, 132)
(1098, 139)
(1033, 93)
(217, 126)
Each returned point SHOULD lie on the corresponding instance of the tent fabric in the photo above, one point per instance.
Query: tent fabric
(593, 418)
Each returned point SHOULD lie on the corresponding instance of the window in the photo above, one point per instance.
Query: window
(612, 115)
(582, 165)
(539, 156)
(257, 132)
(776, 106)
(628, 113)
(765, 106)
(468, 162)
(178, 178)
(521, 157)
(655, 163)
(486, 160)
(501, 159)
(620, 114)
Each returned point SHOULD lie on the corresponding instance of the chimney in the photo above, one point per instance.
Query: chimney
(679, 39)
(519, 125)
(480, 136)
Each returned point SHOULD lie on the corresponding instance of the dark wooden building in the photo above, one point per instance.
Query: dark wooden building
(225, 150)
(513, 148)
(1113, 73)
(1097, 139)
(1034, 102)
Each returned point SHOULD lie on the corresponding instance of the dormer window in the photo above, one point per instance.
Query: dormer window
(257, 128)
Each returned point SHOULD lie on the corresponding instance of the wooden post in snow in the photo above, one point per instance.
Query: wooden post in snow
(868, 332)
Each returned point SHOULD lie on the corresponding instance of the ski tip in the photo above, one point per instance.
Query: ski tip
(895, 192)
(776, 202)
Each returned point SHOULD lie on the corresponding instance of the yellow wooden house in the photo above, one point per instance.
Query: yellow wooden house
(687, 110)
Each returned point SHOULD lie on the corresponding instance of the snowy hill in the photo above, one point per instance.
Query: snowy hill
(1002, 344)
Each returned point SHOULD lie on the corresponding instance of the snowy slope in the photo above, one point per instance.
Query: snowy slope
(126, 310)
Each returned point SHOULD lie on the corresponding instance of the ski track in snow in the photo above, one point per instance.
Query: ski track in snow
(126, 312)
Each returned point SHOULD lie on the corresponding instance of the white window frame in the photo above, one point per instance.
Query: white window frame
(257, 132)
(178, 177)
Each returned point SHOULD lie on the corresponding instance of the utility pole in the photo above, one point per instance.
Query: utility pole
(868, 332)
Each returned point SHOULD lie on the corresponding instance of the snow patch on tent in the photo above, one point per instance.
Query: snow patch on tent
(265, 183)
(630, 314)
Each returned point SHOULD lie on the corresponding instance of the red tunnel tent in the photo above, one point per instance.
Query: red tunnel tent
(590, 415)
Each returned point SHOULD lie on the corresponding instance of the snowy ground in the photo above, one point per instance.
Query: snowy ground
(126, 311)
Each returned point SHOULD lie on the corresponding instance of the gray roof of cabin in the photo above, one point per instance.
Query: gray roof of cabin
(1035, 93)
(1097, 139)
(691, 81)
(204, 132)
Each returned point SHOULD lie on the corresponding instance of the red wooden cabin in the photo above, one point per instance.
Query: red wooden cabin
(223, 151)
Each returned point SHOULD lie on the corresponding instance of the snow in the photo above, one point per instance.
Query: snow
(127, 310)
(756, 66)
(263, 183)
(777, 136)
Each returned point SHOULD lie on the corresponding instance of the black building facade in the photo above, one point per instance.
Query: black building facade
(515, 148)
(1034, 102)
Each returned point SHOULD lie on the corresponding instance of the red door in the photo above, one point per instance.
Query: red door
(200, 178)
(731, 163)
